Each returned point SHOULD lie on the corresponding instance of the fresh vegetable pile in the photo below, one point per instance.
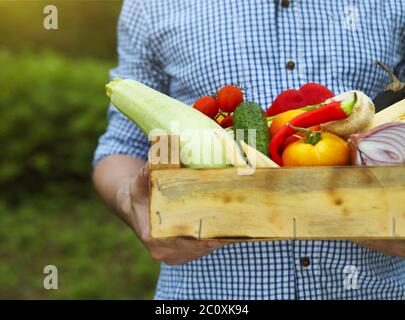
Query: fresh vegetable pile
(305, 127)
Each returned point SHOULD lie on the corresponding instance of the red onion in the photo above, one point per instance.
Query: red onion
(382, 146)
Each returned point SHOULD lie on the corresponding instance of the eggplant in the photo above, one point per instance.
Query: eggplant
(393, 92)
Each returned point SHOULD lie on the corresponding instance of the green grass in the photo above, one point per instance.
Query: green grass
(97, 256)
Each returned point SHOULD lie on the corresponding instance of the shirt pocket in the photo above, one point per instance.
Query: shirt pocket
(361, 35)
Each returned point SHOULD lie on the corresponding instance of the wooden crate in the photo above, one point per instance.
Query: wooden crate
(278, 203)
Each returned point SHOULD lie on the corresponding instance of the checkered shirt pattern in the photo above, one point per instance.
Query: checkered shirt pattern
(188, 48)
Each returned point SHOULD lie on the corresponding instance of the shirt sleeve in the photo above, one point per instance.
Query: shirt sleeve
(136, 60)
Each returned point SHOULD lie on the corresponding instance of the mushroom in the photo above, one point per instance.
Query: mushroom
(359, 120)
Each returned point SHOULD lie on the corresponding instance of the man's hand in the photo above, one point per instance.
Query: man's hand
(171, 251)
(123, 182)
(388, 247)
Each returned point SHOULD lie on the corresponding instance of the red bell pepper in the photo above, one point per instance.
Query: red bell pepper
(330, 112)
(309, 94)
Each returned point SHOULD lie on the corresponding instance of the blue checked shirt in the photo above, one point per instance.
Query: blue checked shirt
(187, 48)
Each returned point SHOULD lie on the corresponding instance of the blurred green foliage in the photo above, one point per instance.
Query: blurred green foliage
(53, 110)
(96, 255)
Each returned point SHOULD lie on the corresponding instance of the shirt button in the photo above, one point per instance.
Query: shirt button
(305, 262)
(290, 65)
(285, 3)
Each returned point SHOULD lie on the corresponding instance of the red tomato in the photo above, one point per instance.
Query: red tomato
(229, 97)
(207, 105)
(227, 122)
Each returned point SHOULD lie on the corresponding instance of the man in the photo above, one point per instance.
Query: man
(187, 48)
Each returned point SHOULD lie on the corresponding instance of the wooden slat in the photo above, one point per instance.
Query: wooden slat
(279, 203)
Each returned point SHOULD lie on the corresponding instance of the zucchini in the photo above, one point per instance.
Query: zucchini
(152, 111)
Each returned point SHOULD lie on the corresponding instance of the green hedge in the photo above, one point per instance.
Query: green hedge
(52, 111)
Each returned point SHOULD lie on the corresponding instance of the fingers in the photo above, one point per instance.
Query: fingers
(172, 256)
(178, 251)
(144, 173)
(194, 244)
(139, 189)
(388, 247)
(170, 251)
(139, 204)
(187, 244)
(181, 260)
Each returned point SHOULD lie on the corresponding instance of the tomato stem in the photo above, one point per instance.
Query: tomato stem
(311, 137)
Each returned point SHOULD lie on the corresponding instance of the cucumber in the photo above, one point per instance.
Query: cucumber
(249, 115)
